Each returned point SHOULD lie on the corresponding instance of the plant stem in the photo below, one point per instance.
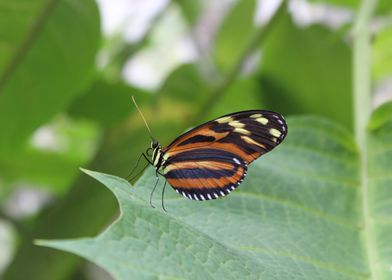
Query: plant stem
(362, 105)
(258, 38)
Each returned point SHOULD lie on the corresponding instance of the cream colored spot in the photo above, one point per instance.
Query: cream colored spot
(224, 120)
(275, 132)
(255, 116)
(242, 131)
(236, 124)
(263, 121)
(251, 141)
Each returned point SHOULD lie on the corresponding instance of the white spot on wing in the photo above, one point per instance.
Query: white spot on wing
(202, 197)
(263, 121)
(237, 161)
(242, 131)
(236, 124)
(224, 120)
(209, 196)
(222, 193)
(275, 132)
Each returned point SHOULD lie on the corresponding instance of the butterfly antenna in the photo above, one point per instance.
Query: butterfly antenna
(141, 114)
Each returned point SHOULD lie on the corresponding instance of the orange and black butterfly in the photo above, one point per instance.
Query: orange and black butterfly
(212, 159)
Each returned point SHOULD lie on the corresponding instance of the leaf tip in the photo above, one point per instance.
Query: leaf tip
(87, 171)
(39, 242)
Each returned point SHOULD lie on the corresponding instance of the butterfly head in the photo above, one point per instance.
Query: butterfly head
(154, 144)
(156, 152)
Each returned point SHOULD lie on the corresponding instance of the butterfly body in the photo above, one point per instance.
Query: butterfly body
(211, 160)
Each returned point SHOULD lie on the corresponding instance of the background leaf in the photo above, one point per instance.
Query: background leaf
(383, 7)
(318, 58)
(48, 57)
(234, 34)
(382, 54)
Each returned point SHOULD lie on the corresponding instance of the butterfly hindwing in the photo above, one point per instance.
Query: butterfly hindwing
(204, 174)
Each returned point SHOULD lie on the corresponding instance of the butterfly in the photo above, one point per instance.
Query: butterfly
(212, 159)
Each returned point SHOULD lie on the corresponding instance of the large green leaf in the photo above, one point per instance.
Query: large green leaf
(379, 194)
(47, 56)
(298, 215)
(307, 70)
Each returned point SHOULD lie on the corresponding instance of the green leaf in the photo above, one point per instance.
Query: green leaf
(190, 9)
(378, 195)
(298, 215)
(56, 166)
(93, 104)
(353, 4)
(381, 116)
(383, 6)
(234, 34)
(46, 58)
(247, 90)
(185, 84)
(382, 54)
(307, 70)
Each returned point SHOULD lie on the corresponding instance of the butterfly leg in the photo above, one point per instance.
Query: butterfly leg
(135, 166)
(144, 168)
(149, 161)
(152, 192)
(163, 196)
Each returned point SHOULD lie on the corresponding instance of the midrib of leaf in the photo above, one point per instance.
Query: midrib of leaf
(27, 41)
(362, 91)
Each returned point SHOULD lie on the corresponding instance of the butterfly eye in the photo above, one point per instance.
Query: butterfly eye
(154, 144)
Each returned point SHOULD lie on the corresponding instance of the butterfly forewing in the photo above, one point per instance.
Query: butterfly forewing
(211, 160)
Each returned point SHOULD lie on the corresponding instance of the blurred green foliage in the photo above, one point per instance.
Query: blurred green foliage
(51, 85)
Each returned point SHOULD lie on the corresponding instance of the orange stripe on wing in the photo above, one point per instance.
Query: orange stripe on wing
(202, 131)
(215, 165)
(201, 183)
(230, 147)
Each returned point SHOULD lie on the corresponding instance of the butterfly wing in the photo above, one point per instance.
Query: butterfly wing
(204, 174)
(211, 160)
